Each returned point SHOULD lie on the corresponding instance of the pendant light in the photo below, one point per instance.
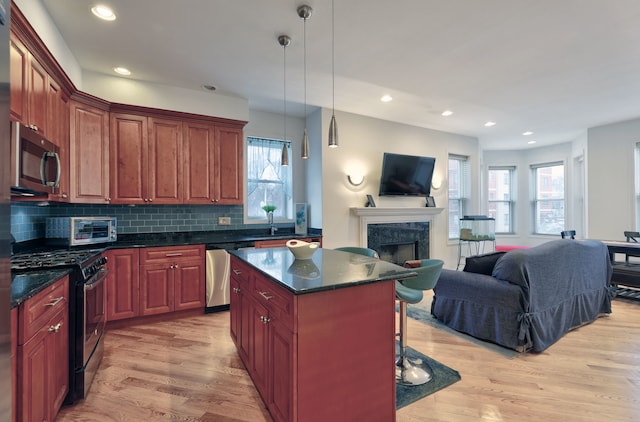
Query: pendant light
(304, 12)
(284, 41)
(333, 127)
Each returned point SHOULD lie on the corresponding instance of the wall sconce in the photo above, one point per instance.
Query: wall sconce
(355, 179)
(436, 182)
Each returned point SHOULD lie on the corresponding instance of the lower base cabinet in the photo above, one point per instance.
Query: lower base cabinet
(43, 353)
(320, 356)
(153, 281)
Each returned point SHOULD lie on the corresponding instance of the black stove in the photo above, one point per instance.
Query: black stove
(89, 261)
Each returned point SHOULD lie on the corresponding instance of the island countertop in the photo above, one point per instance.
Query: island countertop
(326, 270)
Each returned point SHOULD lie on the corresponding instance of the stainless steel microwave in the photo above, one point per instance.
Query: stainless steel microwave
(75, 231)
(35, 162)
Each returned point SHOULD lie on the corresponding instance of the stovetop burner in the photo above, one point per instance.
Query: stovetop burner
(52, 259)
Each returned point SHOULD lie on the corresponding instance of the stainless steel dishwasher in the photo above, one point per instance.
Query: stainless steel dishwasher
(218, 269)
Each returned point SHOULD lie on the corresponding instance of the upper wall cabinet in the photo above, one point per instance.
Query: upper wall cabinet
(146, 160)
(29, 89)
(213, 164)
(89, 154)
(229, 166)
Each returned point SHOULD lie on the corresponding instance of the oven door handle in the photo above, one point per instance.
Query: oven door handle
(93, 282)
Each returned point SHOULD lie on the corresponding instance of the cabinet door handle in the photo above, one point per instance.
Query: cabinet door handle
(264, 319)
(236, 290)
(173, 254)
(265, 296)
(55, 328)
(237, 272)
(54, 302)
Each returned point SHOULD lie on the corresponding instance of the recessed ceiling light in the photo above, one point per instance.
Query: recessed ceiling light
(490, 123)
(122, 71)
(209, 88)
(447, 113)
(103, 12)
(386, 98)
(527, 133)
(531, 142)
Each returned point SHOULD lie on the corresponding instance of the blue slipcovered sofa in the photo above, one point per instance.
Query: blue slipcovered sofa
(532, 297)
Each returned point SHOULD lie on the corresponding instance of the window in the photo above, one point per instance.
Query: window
(501, 198)
(268, 182)
(548, 204)
(459, 189)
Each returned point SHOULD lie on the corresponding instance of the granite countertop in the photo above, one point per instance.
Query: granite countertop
(26, 285)
(326, 270)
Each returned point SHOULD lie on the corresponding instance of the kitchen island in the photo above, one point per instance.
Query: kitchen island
(317, 336)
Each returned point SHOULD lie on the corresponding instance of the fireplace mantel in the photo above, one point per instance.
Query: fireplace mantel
(394, 212)
(377, 215)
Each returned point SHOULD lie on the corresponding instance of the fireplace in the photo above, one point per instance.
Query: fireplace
(398, 234)
(399, 253)
(399, 242)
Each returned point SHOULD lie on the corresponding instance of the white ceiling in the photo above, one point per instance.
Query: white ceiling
(554, 67)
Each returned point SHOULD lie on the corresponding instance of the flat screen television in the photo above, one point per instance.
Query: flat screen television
(406, 175)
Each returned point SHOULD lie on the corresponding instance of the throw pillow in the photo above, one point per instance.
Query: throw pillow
(482, 264)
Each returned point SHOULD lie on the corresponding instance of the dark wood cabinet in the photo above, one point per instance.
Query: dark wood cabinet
(265, 343)
(165, 161)
(129, 161)
(152, 281)
(37, 97)
(30, 90)
(156, 289)
(146, 160)
(43, 353)
(199, 163)
(58, 133)
(18, 63)
(235, 308)
(88, 154)
(189, 285)
(306, 350)
(213, 164)
(172, 279)
(228, 166)
(14, 364)
(123, 284)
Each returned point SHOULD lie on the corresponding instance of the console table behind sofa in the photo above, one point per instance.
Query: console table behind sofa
(624, 272)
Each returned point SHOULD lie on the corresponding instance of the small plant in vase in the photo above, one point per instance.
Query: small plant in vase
(269, 209)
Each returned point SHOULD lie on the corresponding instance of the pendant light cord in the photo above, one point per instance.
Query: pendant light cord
(284, 89)
(333, 58)
(305, 71)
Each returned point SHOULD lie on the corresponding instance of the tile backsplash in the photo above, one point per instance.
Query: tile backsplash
(28, 219)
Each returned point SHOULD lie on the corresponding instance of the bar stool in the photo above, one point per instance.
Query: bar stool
(360, 251)
(411, 291)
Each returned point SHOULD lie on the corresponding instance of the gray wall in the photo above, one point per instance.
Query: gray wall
(610, 174)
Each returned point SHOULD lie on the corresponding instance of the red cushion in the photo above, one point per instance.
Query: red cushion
(507, 248)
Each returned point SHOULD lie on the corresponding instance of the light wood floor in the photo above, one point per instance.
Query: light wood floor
(188, 370)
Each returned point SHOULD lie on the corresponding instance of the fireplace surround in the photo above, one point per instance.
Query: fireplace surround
(404, 228)
(399, 242)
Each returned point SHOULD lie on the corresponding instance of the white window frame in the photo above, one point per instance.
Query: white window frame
(560, 203)
(284, 210)
(510, 202)
(459, 193)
